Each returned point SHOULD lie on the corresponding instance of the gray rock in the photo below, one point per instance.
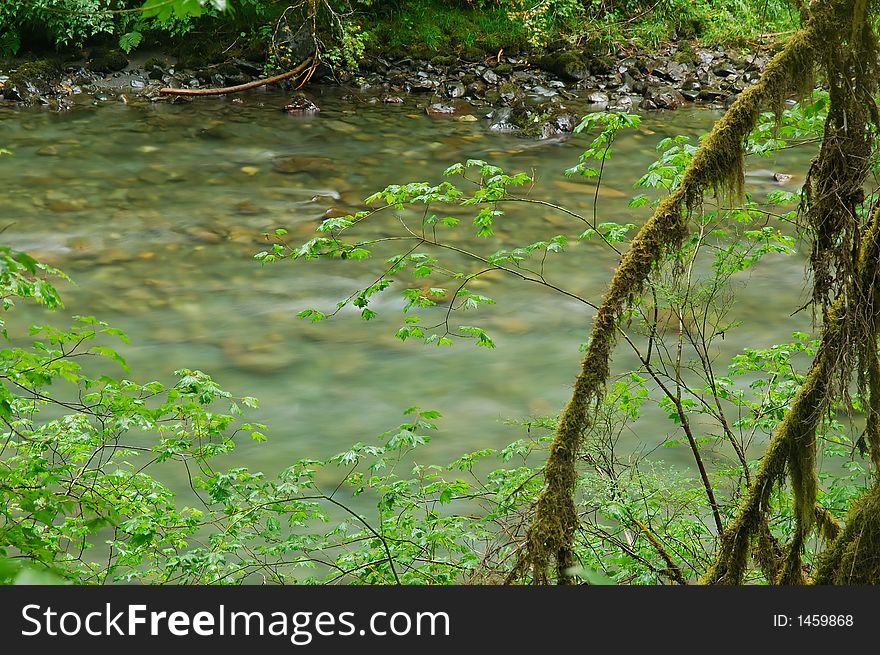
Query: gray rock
(676, 72)
(705, 57)
(724, 71)
(455, 90)
(664, 97)
(440, 108)
(490, 76)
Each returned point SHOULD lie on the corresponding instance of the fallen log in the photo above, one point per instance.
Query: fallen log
(240, 87)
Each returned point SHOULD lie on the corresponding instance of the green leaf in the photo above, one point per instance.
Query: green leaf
(130, 41)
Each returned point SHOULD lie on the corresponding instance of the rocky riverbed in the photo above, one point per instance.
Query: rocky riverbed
(536, 95)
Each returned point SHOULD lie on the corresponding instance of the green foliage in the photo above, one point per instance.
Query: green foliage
(130, 41)
(74, 22)
(421, 27)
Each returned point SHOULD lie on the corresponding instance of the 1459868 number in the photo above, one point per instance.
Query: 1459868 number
(825, 620)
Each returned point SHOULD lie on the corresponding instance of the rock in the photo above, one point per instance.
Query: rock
(664, 97)
(205, 234)
(249, 170)
(439, 109)
(32, 81)
(336, 212)
(467, 118)
(756, 63)
(303, 164)
(509, 93)
(782, 178)
(300, 104)
(623, 103)
(598, 98)
(389, 99)
(711, 95)
(259, 357)
(490, 77)
(501, 120)
(604, 191)
(455, 90)
(567, 64)
(137, 84)
(422, 84)
(724, 71)
(676, 72)
(560, 124)
(110, 61)
(247, 208)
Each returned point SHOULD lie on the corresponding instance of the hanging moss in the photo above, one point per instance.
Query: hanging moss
(719, 164)
(854, 557)
(793, 443)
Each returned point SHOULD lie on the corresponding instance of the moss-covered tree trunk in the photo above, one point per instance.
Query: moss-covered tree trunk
(838, 42)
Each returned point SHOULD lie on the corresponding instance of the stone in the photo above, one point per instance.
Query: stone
(455, 90)
(336, 212)
(725, 71)
(300, 104)
(664, 97)
(303, 164)
(439, 108)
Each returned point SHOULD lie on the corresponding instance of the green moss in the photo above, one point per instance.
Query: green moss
(685, 53)
(854, 556)
(39, 74)
(568, 64)
(108, 61)
(508, 87)
(444, 60)
(718, 164)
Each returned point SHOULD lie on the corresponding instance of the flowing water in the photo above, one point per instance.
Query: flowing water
(156, 212)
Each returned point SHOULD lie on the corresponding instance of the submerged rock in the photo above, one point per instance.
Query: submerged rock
(303, 164)
(300, 104)
(439, 109)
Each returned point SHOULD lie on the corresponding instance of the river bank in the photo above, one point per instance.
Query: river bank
(533, 93)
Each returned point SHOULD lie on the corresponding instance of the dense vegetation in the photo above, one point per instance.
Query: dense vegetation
(425, 27)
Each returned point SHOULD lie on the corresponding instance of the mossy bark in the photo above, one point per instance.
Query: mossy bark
(718, 164)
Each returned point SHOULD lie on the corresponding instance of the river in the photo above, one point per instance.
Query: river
(156, 211)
